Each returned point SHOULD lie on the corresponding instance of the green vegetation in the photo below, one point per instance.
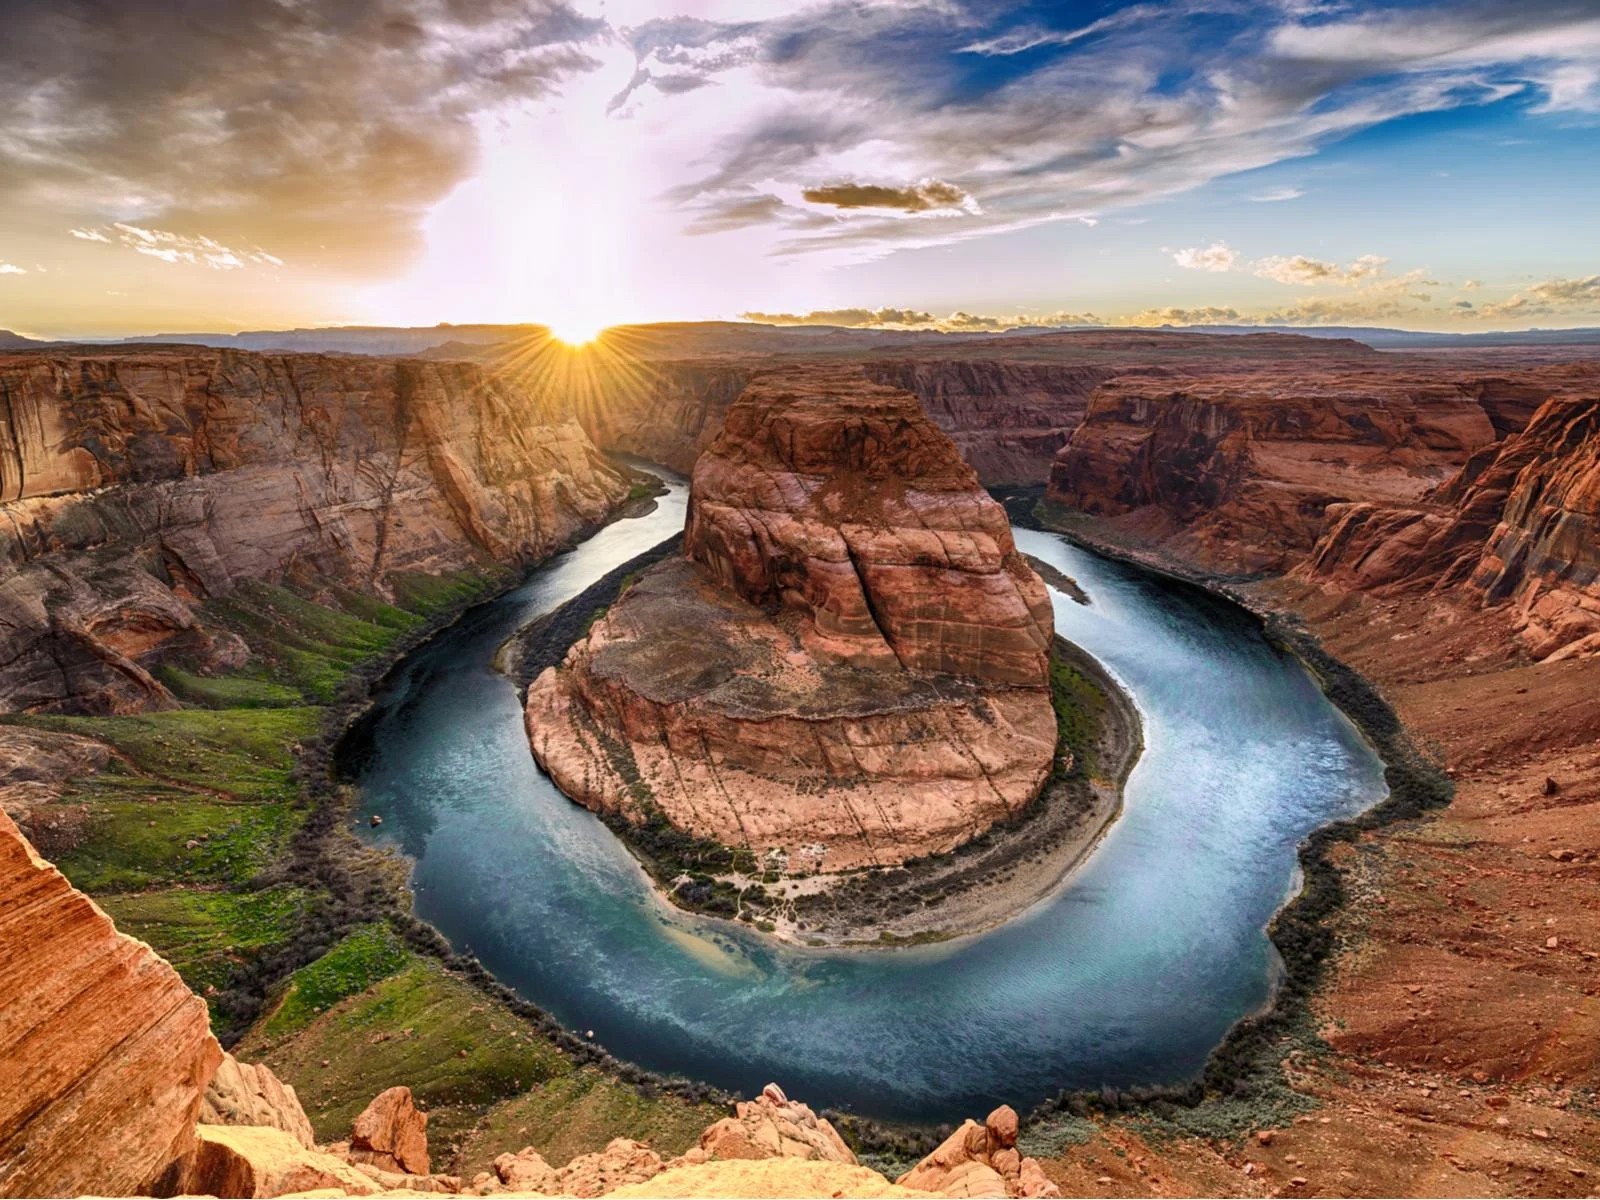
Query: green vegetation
(459, 1051)
(1080, 708)
(370, 954)
(206, 934)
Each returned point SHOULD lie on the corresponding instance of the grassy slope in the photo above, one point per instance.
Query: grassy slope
(187, 843)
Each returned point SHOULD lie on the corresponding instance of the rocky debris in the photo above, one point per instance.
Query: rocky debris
(773, 1126)
(1516, 529)
(851, 657)
(97, 1033)
(36, 763)
(138, 484)
(622, 1162)
(772, 1178)
(391, 1134)
(257, 1161)
(981, 1160)
(250, 1094)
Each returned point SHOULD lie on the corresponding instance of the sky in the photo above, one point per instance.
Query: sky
(191, 165)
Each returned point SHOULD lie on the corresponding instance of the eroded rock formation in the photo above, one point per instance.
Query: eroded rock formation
(981, 1160)
(848, 666)
(250, 1094)
(1518, 527)
(135, 486)
(104, 1053)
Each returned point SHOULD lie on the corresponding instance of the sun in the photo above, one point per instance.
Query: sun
(575, 331)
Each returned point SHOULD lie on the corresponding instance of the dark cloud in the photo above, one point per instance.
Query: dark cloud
(920, 197)
(321, 131)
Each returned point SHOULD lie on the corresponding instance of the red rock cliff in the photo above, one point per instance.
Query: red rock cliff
(135, 485)
(1518, 527)
(848, 667)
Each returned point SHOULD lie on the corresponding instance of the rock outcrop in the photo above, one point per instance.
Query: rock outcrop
(137, 485)
(623, 1162)
(981, 1160)
(260, 1161)
(1517, 528)
(773, 1126)
(391, 1134)
(848, 666)
(250, 1094)
(104, 1052)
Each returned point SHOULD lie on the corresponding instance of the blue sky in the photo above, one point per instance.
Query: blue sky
(921, 162)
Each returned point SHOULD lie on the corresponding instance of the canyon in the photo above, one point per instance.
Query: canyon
(1432, 522)
(847, 666)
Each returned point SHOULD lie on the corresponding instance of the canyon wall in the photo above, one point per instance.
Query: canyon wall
(135, 486)
(1239, 470)
(1518, 526)
(848, 667)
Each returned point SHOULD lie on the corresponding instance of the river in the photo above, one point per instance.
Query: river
(1131, 973)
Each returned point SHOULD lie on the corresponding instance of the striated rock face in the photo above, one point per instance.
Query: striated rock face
(138, 484)
(260, 1161)
(1518, 527)
(1238, 470)
(849, 666)
(97, 1033)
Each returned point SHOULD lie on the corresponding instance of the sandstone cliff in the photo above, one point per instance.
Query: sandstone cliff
(137, 486)
(1518, 527)
(849, 665)
(104, 1053)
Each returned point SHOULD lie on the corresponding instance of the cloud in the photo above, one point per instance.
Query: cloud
(12, 269)
(919, 197)
(1208, 315)
(89, 235)
(1070, 120)
(1274, 195)
(1218, 256)
(1308, 272)
(1553, 297)
(324, 130)
(904, 318)
(175, 248)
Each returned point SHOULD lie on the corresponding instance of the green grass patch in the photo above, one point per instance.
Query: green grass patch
(130, 845)
(228, 691)
(430, 595)
(459, 1051)
(205, 934)
(1080, 708)
(366, 956)
(246, 753)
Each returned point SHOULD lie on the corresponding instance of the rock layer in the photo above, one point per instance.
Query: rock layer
(848, 668)
(104, 1053)
(137, 485)
(1518, 526)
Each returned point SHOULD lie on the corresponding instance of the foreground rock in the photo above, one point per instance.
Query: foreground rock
(138, 485)
(1516, 529)
(391, 1134)
(250, 1094)
(773, 1126)
(981, 1160)
(847, 668)
(104, 1053)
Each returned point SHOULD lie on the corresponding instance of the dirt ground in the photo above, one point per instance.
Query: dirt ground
(1464, 1009)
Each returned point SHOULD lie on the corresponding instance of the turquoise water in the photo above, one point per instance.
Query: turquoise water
(1131, 973)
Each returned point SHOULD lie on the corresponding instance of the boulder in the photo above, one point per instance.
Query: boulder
(104, 1052)
(391, 1134)
(256, 1161)
(527, 1171)
(622, 1162)
(250, 1094)
(981, 1160)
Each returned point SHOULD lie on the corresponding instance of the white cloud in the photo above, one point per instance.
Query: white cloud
(1308, 272)
(12, 269)
(178, 248)
(1550, 298)
(1274, 195)
(1218, 256)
